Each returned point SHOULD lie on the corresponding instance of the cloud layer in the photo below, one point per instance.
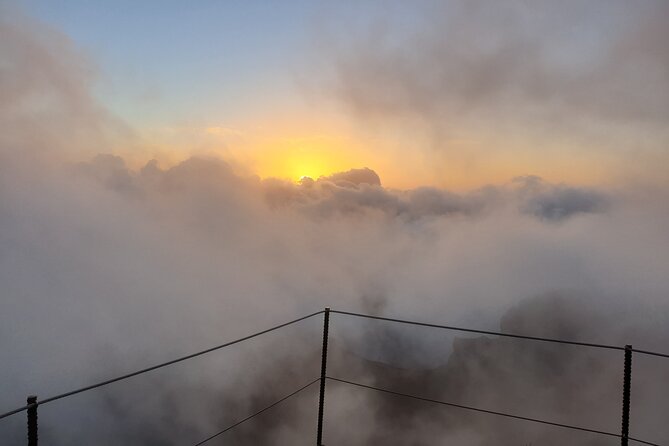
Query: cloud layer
(105, 269)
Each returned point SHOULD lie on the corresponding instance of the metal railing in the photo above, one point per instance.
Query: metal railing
(33, 403)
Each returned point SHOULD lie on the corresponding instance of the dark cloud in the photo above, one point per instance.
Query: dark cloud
(558, 202)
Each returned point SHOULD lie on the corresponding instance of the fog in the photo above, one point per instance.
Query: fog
(106, 268)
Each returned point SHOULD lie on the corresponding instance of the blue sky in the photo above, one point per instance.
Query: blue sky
(183, 60)
(179, 60)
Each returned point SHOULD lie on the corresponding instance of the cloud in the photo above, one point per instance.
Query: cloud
(579, 86)
(106, 268)
(338, 194)
(557, 202)
(487, 58)
(45, 100)
(354, 177)
(131, 260)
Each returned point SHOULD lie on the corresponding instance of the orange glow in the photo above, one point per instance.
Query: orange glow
(295, 158)
(302, 145)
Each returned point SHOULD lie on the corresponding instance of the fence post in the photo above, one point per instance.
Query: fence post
(324, 363)
(627, 383)
(32, 420)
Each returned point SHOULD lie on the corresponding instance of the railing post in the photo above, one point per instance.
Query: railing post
(627, 383)
(32, 420)
(324, 363)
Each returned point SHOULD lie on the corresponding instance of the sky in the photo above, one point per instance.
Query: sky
(177, 175)
(209, 77)
(279, 88)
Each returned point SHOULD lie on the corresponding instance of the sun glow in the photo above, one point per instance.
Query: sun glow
(313, 157)
(307, 164)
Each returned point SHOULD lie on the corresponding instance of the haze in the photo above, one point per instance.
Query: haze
(173, 176)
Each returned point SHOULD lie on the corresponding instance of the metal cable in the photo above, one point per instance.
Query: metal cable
(258, 413)
(17, 410)
(496, 333)
(471, 330)
(158, 366)
(475, 409)
(647, 352)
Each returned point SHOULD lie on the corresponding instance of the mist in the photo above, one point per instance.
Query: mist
(106, 268)
(475, 86)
